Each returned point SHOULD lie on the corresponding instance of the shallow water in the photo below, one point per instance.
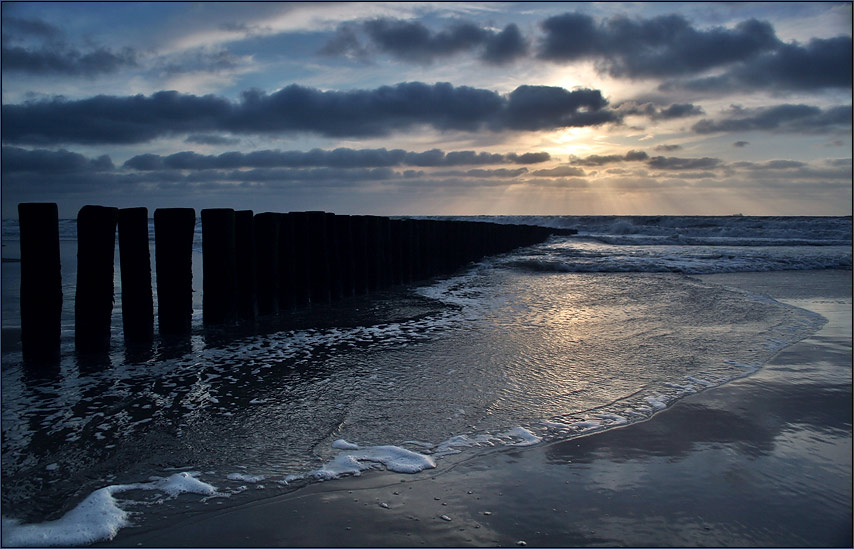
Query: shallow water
(559, 354)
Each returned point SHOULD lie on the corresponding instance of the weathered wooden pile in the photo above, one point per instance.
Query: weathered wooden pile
(253, 264)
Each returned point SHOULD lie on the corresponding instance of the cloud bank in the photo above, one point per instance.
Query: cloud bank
(665, 47)
(413, 42)
(356, 113)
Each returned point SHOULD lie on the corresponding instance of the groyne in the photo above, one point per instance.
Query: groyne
(254, 266)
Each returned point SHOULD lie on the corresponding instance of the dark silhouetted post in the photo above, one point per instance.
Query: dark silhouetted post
(293, 275)
(397, 230)
(137, 299)
(411, 246)
(428, 250)
(344, 238)
(267, 262)
(174, 229)
(333, 256)
(244, 234)
(318, 257)
(386, 259)
(375, 252)
(299, 259)
(93, 302)
(41, 282)
(361, 267)
(219, 266)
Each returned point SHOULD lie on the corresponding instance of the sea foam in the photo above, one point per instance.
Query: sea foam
(356, 459)
(98, 517)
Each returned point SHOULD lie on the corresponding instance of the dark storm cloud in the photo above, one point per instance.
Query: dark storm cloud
(676, 163)
(346, 43)
(770, 165)
(15, 159)
(620, 171)
(66, 61)
(110, 119)
(600, 160)
(822, 63)
(636, 156)
(679, 110)
(455, 158)
(560, 171)
(529, 158)
(413, 42)
(355, 113)
(653, 112)
(105, 183)
(668, 148)
(549, 107)
(662, 46)
(505, 46)
(50, 54)
(337, 158)
(665, 47)
(740, 144)
(780, 118)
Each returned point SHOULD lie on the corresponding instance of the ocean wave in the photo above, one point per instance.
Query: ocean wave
(685, 240)
(695, 230)
(708, 264)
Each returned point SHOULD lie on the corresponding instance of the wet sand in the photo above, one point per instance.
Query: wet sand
(761, 461)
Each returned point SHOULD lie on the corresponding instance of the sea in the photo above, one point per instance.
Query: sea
(566, 338)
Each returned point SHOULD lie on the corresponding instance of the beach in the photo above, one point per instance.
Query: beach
(618, 387)
(333, 274)
(764, 460)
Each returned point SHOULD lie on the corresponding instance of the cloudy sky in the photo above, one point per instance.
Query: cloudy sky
(430, 108)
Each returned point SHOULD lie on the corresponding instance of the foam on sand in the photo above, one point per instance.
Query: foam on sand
(98, 517)
(356, 459)
(527, 438)
(245, 478)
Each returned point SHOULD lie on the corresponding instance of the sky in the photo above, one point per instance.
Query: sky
(482, 108)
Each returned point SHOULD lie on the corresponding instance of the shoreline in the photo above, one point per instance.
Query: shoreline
(762, 460)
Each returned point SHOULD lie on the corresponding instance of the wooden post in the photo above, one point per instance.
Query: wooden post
(300, 258)
(375, 253)
(409, 243)
(267, 262)
(174, 229)
(401, 243)
(93, 301)
(41, 282)
(292, 276)
(429, 248)
(333, 254)
(247, 290)
(344, 239)
(387, 259)
(137, 299)
(219, 265)
(361, 267)
(318, 257)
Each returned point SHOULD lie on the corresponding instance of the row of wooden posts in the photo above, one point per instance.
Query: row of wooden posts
(253, 264)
